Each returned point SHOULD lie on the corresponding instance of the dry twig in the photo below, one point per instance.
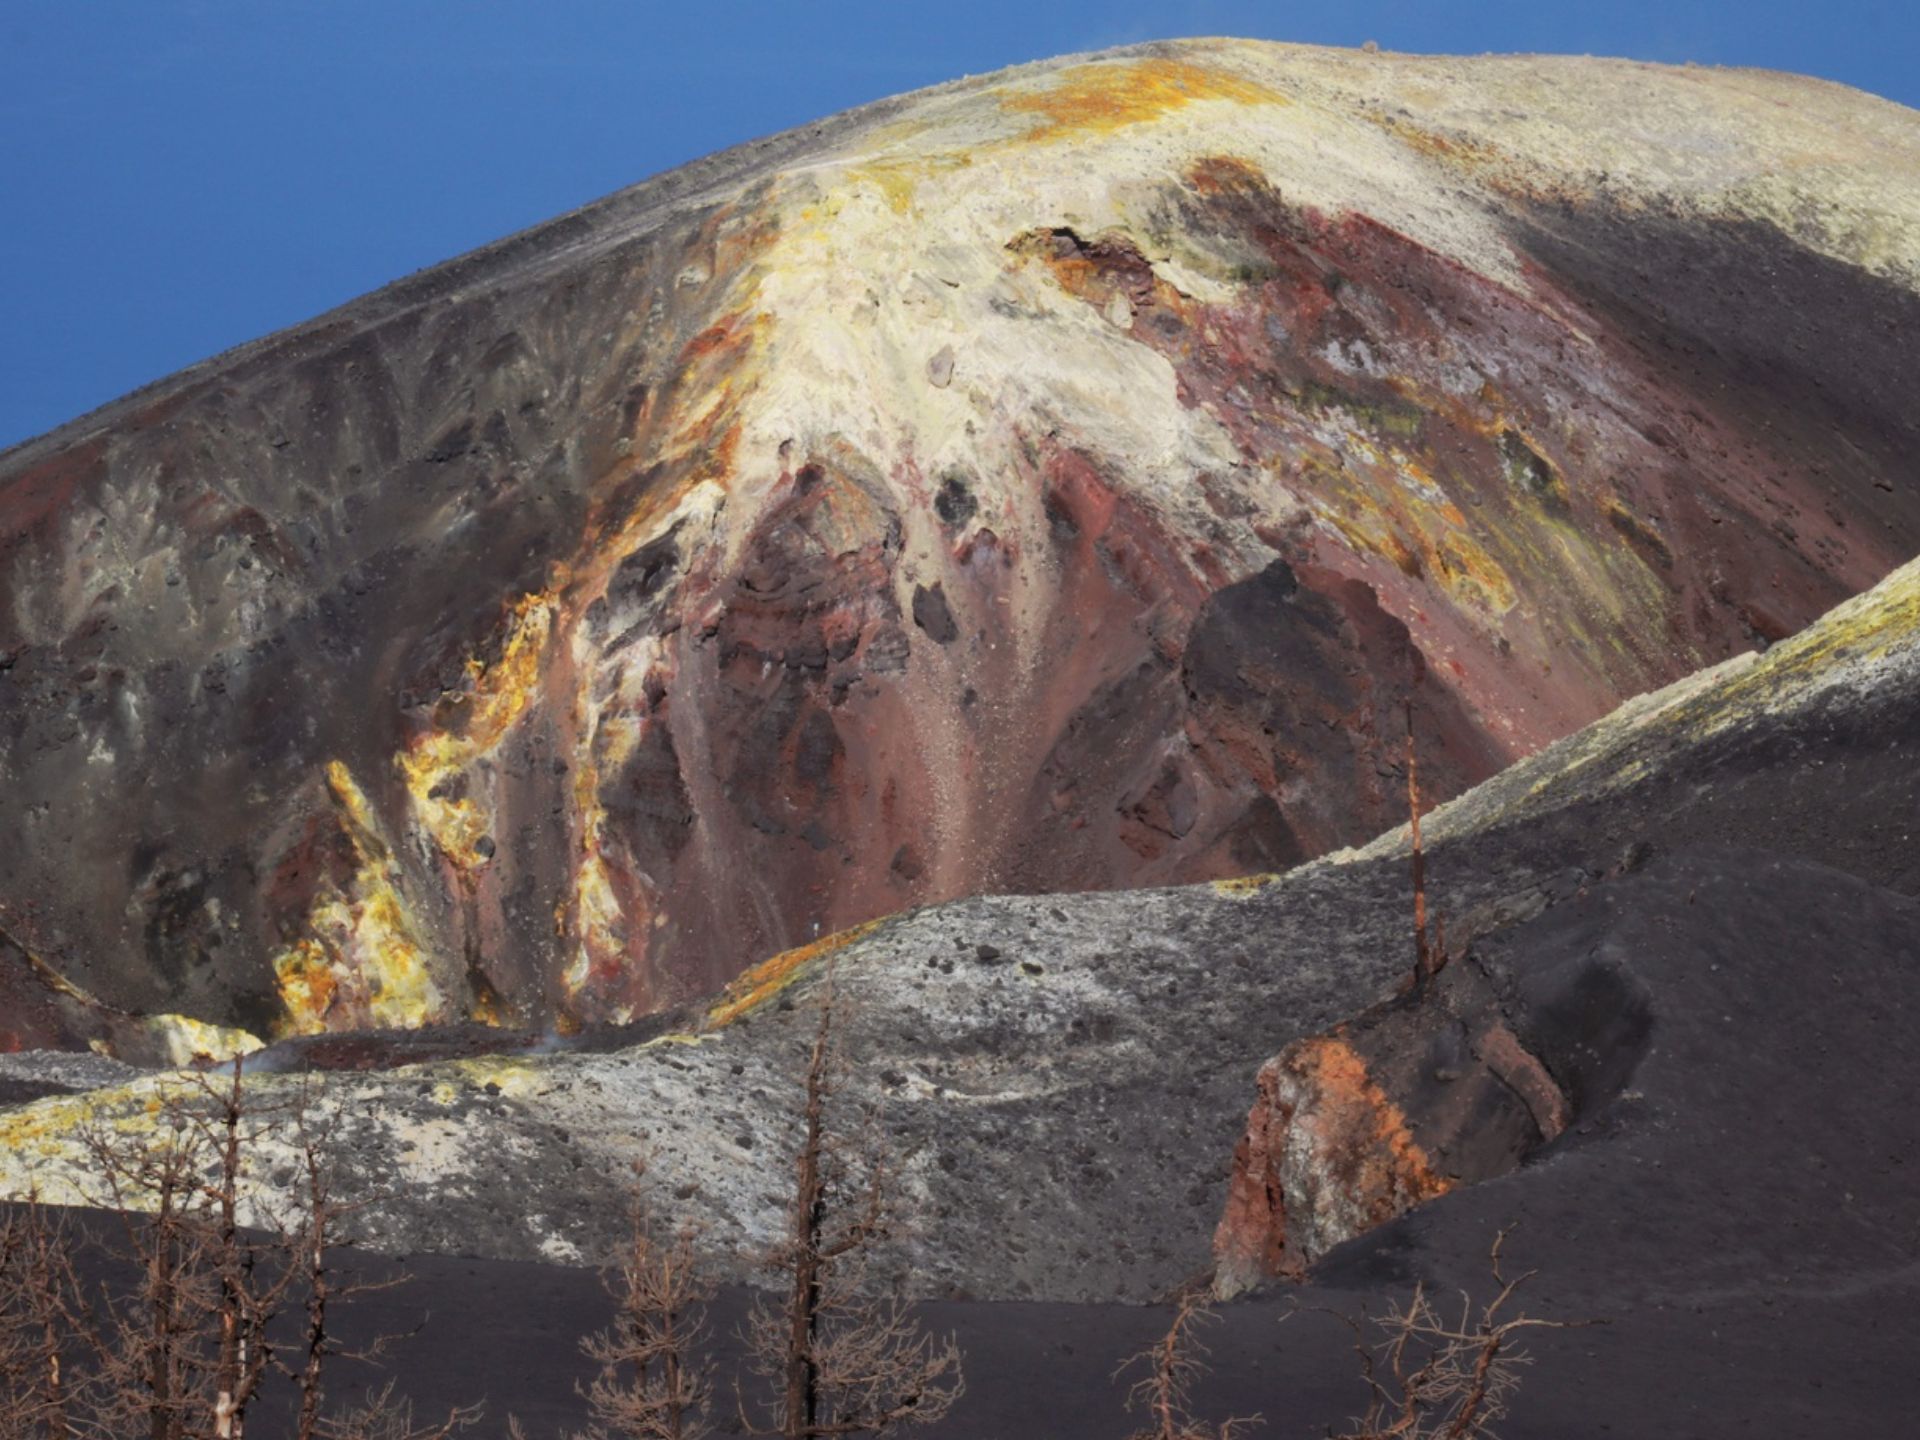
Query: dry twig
(1429, 956)
(1434, 1378)
(43, 1320)
(1174, 1364)
(383, 1415)
(185, 1349)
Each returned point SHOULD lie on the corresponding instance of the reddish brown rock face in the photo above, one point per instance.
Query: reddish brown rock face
(1495, 461)
(1062, 484)
(1350, 1129)
(1327, 1155)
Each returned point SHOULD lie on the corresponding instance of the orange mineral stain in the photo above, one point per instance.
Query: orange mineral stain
(1098, 99)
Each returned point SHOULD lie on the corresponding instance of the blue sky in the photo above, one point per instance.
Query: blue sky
(177, 176)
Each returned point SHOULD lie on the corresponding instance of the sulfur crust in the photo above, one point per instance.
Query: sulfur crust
(770, 977)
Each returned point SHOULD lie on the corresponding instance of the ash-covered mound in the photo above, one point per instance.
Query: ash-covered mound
(1056, 480)
(1066, 1077)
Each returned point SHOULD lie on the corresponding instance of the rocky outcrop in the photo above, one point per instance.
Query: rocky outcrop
(1327, 1155)
(41, 1009)
(1353, 1128)
(1056, 480)
(1445, 1087)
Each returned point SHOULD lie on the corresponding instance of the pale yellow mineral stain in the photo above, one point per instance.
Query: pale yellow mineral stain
(511, 1075)
(696, 440)
(597, 918)
(676, 1037)
(43, 1149)
(1413, 526)
(501, 692)
(181, 1039)
(898, 177)
(1850, 639)
(1240, 887)
(361, 959)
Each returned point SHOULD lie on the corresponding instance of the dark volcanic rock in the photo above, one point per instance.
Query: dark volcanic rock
(1731, 1033)
(1437, 1089)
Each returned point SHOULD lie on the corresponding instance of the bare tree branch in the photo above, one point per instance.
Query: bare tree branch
(1433, 1377)
(841, 1357)
(1429, 957)
(44, 1319)
(386, 1416)
(1173, 1365)
(652, 1383)
(184, 1349)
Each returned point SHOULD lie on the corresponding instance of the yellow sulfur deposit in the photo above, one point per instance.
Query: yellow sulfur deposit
(770, 977)
(361, 955)
(1103, 97)
(501, 693)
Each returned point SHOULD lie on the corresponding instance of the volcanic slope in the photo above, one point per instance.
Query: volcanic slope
(1055, 480)
(1730, 1035)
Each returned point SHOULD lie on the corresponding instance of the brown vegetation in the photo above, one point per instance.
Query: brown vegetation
(653, 1383)
(841, 1358)
(181, 1347)
(41, 1306)
(1173, 1365)
(1432, 1378)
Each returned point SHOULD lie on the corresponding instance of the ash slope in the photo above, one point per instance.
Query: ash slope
(1051, 481)
(1069, 1074)
(1815, 1355)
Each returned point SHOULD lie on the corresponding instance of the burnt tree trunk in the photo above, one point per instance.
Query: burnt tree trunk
(809, 1215)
